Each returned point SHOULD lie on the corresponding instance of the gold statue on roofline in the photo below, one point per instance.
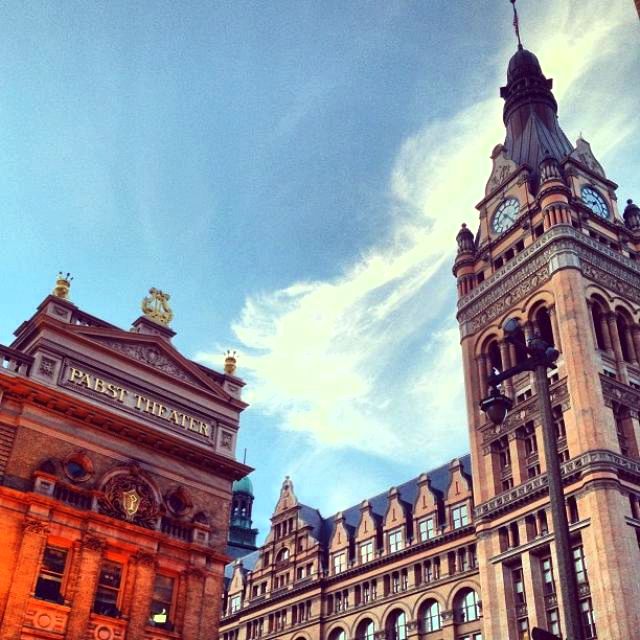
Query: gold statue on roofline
(156, 306)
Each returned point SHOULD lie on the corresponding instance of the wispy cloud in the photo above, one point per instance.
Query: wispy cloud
(370, 358)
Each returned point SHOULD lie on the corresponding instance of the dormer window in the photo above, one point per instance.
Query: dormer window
(366, 551)
(339, 562)
(459, 516)
(395, 540)
(426, 529)
(235, 603)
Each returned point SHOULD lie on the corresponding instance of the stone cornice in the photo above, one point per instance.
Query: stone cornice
(596, 460)
(559, 248)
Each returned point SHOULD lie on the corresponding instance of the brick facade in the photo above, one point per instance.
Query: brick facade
(117, 460)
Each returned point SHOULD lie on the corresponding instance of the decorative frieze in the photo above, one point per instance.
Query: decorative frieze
(558, 248)
(46, 616)
(590, 461)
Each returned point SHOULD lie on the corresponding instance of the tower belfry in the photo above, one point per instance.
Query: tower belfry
(553, 251)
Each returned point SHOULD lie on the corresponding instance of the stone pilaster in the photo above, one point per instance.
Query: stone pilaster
(212, 603)
(194, 596)
(145, 569)
(33, 541)
(84, 588)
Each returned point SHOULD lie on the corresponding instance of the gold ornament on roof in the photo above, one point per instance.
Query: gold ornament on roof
(156, 306)
(230, 362)
(63, 284)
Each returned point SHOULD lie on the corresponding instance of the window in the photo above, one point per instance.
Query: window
(395, 540)
(283, 555)
(338, 634)
(106, 600)
(339, 562)
(162, 602)
(523, 629)
(467, 607)
(234, 603)
(365, 630)
(431, 616)
(588, 619)
(49, 585)
(366, 551)
(548, 585)
(553, 621)
(580, 565)
(460, 516)
(426, 529)
(518, 586)
(397, 626)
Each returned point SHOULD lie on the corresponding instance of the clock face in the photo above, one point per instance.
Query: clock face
(595, 202)
(505, 215)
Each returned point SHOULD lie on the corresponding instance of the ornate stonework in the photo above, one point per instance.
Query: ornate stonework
(116, 490)
(151, 355)
(47, 367)
(39, 527)
(93, 543)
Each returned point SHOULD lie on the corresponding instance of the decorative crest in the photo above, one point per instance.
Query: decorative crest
(156, 306)
(130, 502)
(516, 23)
(63, 284)
(230, 362)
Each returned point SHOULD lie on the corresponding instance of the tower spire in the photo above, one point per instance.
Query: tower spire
(516, 23)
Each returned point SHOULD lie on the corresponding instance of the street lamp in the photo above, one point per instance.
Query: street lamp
(538, 356)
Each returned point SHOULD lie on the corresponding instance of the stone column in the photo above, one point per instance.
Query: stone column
(143, 593)
(617, 348)
(554, 326)
(506, 363)
(212, 604)
(29, 557)
(528, 334)
(84, 587)
(193, 603)
(635, 337)
(630, 344)
(606, 335)
(532, 577)
(482, 374)
(448, 631)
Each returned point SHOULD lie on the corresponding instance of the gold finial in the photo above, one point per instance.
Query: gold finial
(63, 284)
(230, 362)
(156, 306)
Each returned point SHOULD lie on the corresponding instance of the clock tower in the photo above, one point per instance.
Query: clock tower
(553, 250)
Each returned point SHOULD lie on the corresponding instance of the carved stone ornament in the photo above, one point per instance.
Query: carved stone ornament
(152, 356)
(145, 559)
(583, 154)
(128, 497)
(225, 440)
(93, 543)
(560, 247)
(39, 527)
(47, 366)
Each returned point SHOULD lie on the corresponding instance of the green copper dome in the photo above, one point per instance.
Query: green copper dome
(243, 486)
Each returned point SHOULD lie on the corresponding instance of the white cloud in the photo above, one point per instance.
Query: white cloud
(370, 359)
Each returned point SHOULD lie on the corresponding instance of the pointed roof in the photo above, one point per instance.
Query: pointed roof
(531, 114)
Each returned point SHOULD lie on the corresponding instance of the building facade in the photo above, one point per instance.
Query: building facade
(116, 467)
(553, 250)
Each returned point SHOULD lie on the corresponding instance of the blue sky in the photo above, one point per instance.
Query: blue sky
(294, 174)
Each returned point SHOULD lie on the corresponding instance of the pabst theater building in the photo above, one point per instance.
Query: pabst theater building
(116, 467)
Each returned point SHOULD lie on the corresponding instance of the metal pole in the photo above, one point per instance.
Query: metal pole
(570, 612)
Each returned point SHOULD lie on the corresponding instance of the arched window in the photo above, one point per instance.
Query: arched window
(543, 325)
(397, 625)
(495, 358)
(431, 620)
(624, 333)
(467, 606)
(365, 630)
(338, 634)
(283, 555)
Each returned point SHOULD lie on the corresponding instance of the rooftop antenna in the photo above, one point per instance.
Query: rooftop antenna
(516, 24)
(244, 458)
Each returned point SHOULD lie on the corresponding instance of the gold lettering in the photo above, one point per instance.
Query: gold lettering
(75, 373)
(184, 418)
(204, 429)
(112, 390)
(99, 385)
(191, 421)
(123, 393)
(139, 400)
(161, 410)
(173, 417)
(85, 380)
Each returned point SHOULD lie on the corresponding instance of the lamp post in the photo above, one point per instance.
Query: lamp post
(538, 356)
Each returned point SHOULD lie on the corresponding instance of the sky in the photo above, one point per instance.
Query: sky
(293, 173)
